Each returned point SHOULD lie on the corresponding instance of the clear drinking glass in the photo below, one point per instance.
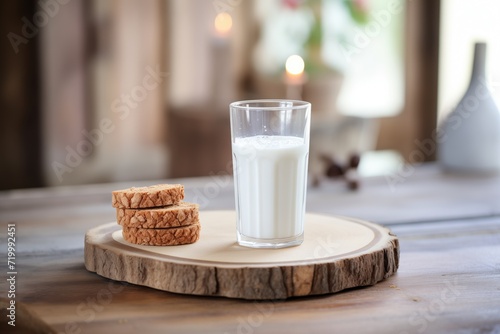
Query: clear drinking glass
(270, 145)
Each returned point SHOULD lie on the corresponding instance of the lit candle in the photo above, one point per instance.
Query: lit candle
(294, 77)
(223, 23)
(223, 86)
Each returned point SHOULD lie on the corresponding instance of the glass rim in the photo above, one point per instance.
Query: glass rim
(296, 104)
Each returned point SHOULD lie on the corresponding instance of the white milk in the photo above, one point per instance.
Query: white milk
(270, 184)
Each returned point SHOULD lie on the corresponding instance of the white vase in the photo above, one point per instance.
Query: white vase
(469, 138)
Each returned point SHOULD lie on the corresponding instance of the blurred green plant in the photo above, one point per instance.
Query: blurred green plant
(314, 64)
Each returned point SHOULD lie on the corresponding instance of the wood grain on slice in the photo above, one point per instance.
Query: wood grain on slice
(181, 214)
(148, 197)
(210, 267)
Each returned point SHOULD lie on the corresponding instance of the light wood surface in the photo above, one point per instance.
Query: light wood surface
(337, 254)
(448, 279)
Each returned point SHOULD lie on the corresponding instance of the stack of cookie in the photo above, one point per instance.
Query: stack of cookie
(156, 215)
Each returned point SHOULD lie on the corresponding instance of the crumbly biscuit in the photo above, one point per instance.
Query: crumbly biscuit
(181, 214)
(148, 197)
(162, 236)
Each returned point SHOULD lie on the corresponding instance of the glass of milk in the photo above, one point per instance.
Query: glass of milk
(270, 145)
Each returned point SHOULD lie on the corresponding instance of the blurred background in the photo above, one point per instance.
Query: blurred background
(122, 90)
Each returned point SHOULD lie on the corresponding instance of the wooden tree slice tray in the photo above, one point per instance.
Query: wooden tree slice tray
(337, 253)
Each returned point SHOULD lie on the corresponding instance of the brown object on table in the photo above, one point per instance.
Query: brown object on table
(347, 171)
(337, 254)
(181, 214)
(162, 236)
(148, 197)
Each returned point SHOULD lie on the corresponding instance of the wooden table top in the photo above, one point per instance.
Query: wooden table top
(448, 280)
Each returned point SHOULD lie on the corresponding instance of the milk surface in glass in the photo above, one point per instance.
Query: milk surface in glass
(270, 178)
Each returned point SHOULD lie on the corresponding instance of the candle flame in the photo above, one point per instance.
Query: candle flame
(295, 65)
(223, 23)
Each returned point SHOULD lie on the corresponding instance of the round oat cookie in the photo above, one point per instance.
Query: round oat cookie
(148, 197)
(181, 214)
(162, 236)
